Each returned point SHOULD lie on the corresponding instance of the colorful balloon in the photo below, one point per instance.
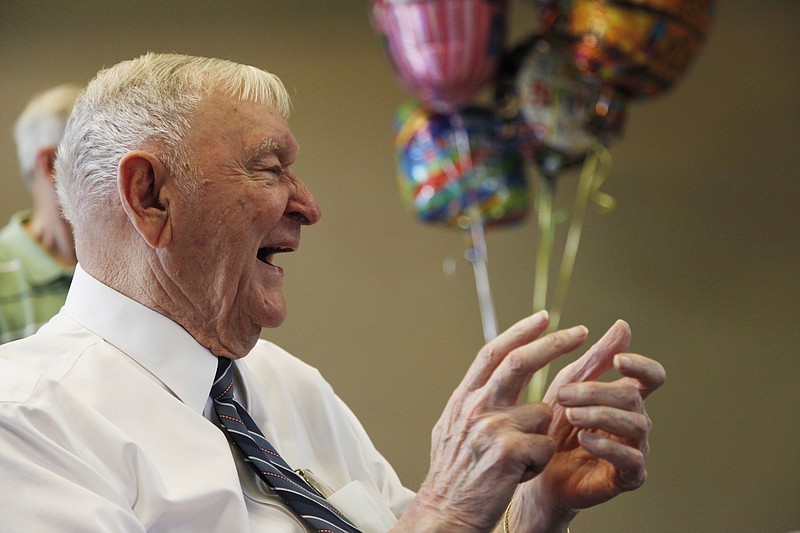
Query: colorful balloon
(550, 112)
(440, 181)
(640, 46)
(443, 51)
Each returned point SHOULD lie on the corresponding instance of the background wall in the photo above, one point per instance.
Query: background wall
(701, 256)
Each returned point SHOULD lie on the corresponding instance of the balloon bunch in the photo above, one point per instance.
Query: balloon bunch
(559, 100)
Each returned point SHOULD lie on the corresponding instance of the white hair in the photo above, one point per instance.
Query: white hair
(41, 125)
(144, 103)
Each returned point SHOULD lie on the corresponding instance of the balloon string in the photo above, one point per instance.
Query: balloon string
(476, 252)
(477, 255)
(544, 252)
(593, 174)
(544, 210)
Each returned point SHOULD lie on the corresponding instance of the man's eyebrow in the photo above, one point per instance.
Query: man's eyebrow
(267, 147)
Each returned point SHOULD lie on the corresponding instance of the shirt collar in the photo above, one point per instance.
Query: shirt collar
(158, 344)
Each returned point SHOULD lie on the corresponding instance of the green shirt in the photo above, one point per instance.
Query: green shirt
(33, 286)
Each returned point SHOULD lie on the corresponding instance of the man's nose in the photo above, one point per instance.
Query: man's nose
(303, 206)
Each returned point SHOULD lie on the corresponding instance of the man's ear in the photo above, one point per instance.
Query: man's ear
(45, 163)
(140, 181)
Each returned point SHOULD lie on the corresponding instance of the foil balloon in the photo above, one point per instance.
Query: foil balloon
(549, 111)
(640, 46)
(442, 183)
(443, 51)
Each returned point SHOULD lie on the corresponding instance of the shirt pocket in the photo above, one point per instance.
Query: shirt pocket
(364, 507)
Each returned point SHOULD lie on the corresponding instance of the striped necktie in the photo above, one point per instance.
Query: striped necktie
(243, 432)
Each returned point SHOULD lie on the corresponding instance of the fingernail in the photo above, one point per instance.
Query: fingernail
(624, 362)
(574, 415)
(541, 316)
(578, 331)
(588, 437)
(566, 393)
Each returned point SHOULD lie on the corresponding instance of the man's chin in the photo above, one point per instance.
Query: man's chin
(273, 317)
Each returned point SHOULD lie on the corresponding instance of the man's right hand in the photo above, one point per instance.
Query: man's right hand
(484, 444)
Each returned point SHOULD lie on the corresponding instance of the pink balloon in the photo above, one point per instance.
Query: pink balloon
(443, 51)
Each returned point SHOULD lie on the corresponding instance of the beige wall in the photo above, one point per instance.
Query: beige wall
(702, 255)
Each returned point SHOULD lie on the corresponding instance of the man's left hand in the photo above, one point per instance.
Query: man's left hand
(600, 431)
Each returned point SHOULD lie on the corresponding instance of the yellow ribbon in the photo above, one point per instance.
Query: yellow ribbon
(593, 174)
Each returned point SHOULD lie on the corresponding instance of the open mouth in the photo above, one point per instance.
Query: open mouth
(266, 254)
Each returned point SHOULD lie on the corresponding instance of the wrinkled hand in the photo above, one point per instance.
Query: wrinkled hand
(485, 444)
(600, 430)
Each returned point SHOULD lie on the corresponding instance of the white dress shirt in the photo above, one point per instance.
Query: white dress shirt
(102, 428)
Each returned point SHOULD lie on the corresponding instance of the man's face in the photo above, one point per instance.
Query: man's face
(248, 207)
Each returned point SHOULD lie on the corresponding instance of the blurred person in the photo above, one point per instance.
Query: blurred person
(150, 402)
(37, 253)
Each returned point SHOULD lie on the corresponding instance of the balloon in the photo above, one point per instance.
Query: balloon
(431, 168)
(550, 112)
(443, 51)
(640, 46)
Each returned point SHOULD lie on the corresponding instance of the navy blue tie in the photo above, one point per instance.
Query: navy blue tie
(243, 432)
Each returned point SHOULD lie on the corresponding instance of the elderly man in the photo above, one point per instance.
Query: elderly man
(135, 408)
(37, 254)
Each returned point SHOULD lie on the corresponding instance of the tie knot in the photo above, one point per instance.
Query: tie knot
(222, 389)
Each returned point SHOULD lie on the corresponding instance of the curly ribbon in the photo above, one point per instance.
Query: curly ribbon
(544, 252)
(593, 174)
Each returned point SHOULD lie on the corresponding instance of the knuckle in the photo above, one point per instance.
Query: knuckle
(519, 333)
(632, 398)
(516, 363)
(540, 416)
(502, 448)
(542, 409)
(557, 340)
(488, 425)
(590, 417)
(486, 354)
(506, 445)
(648, 424)
(625, 396)
(642, 426)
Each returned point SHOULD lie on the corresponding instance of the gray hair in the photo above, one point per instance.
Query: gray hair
(145, 103)
(41, 125)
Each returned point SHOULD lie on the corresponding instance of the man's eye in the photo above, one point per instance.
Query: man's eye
(266, 172)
